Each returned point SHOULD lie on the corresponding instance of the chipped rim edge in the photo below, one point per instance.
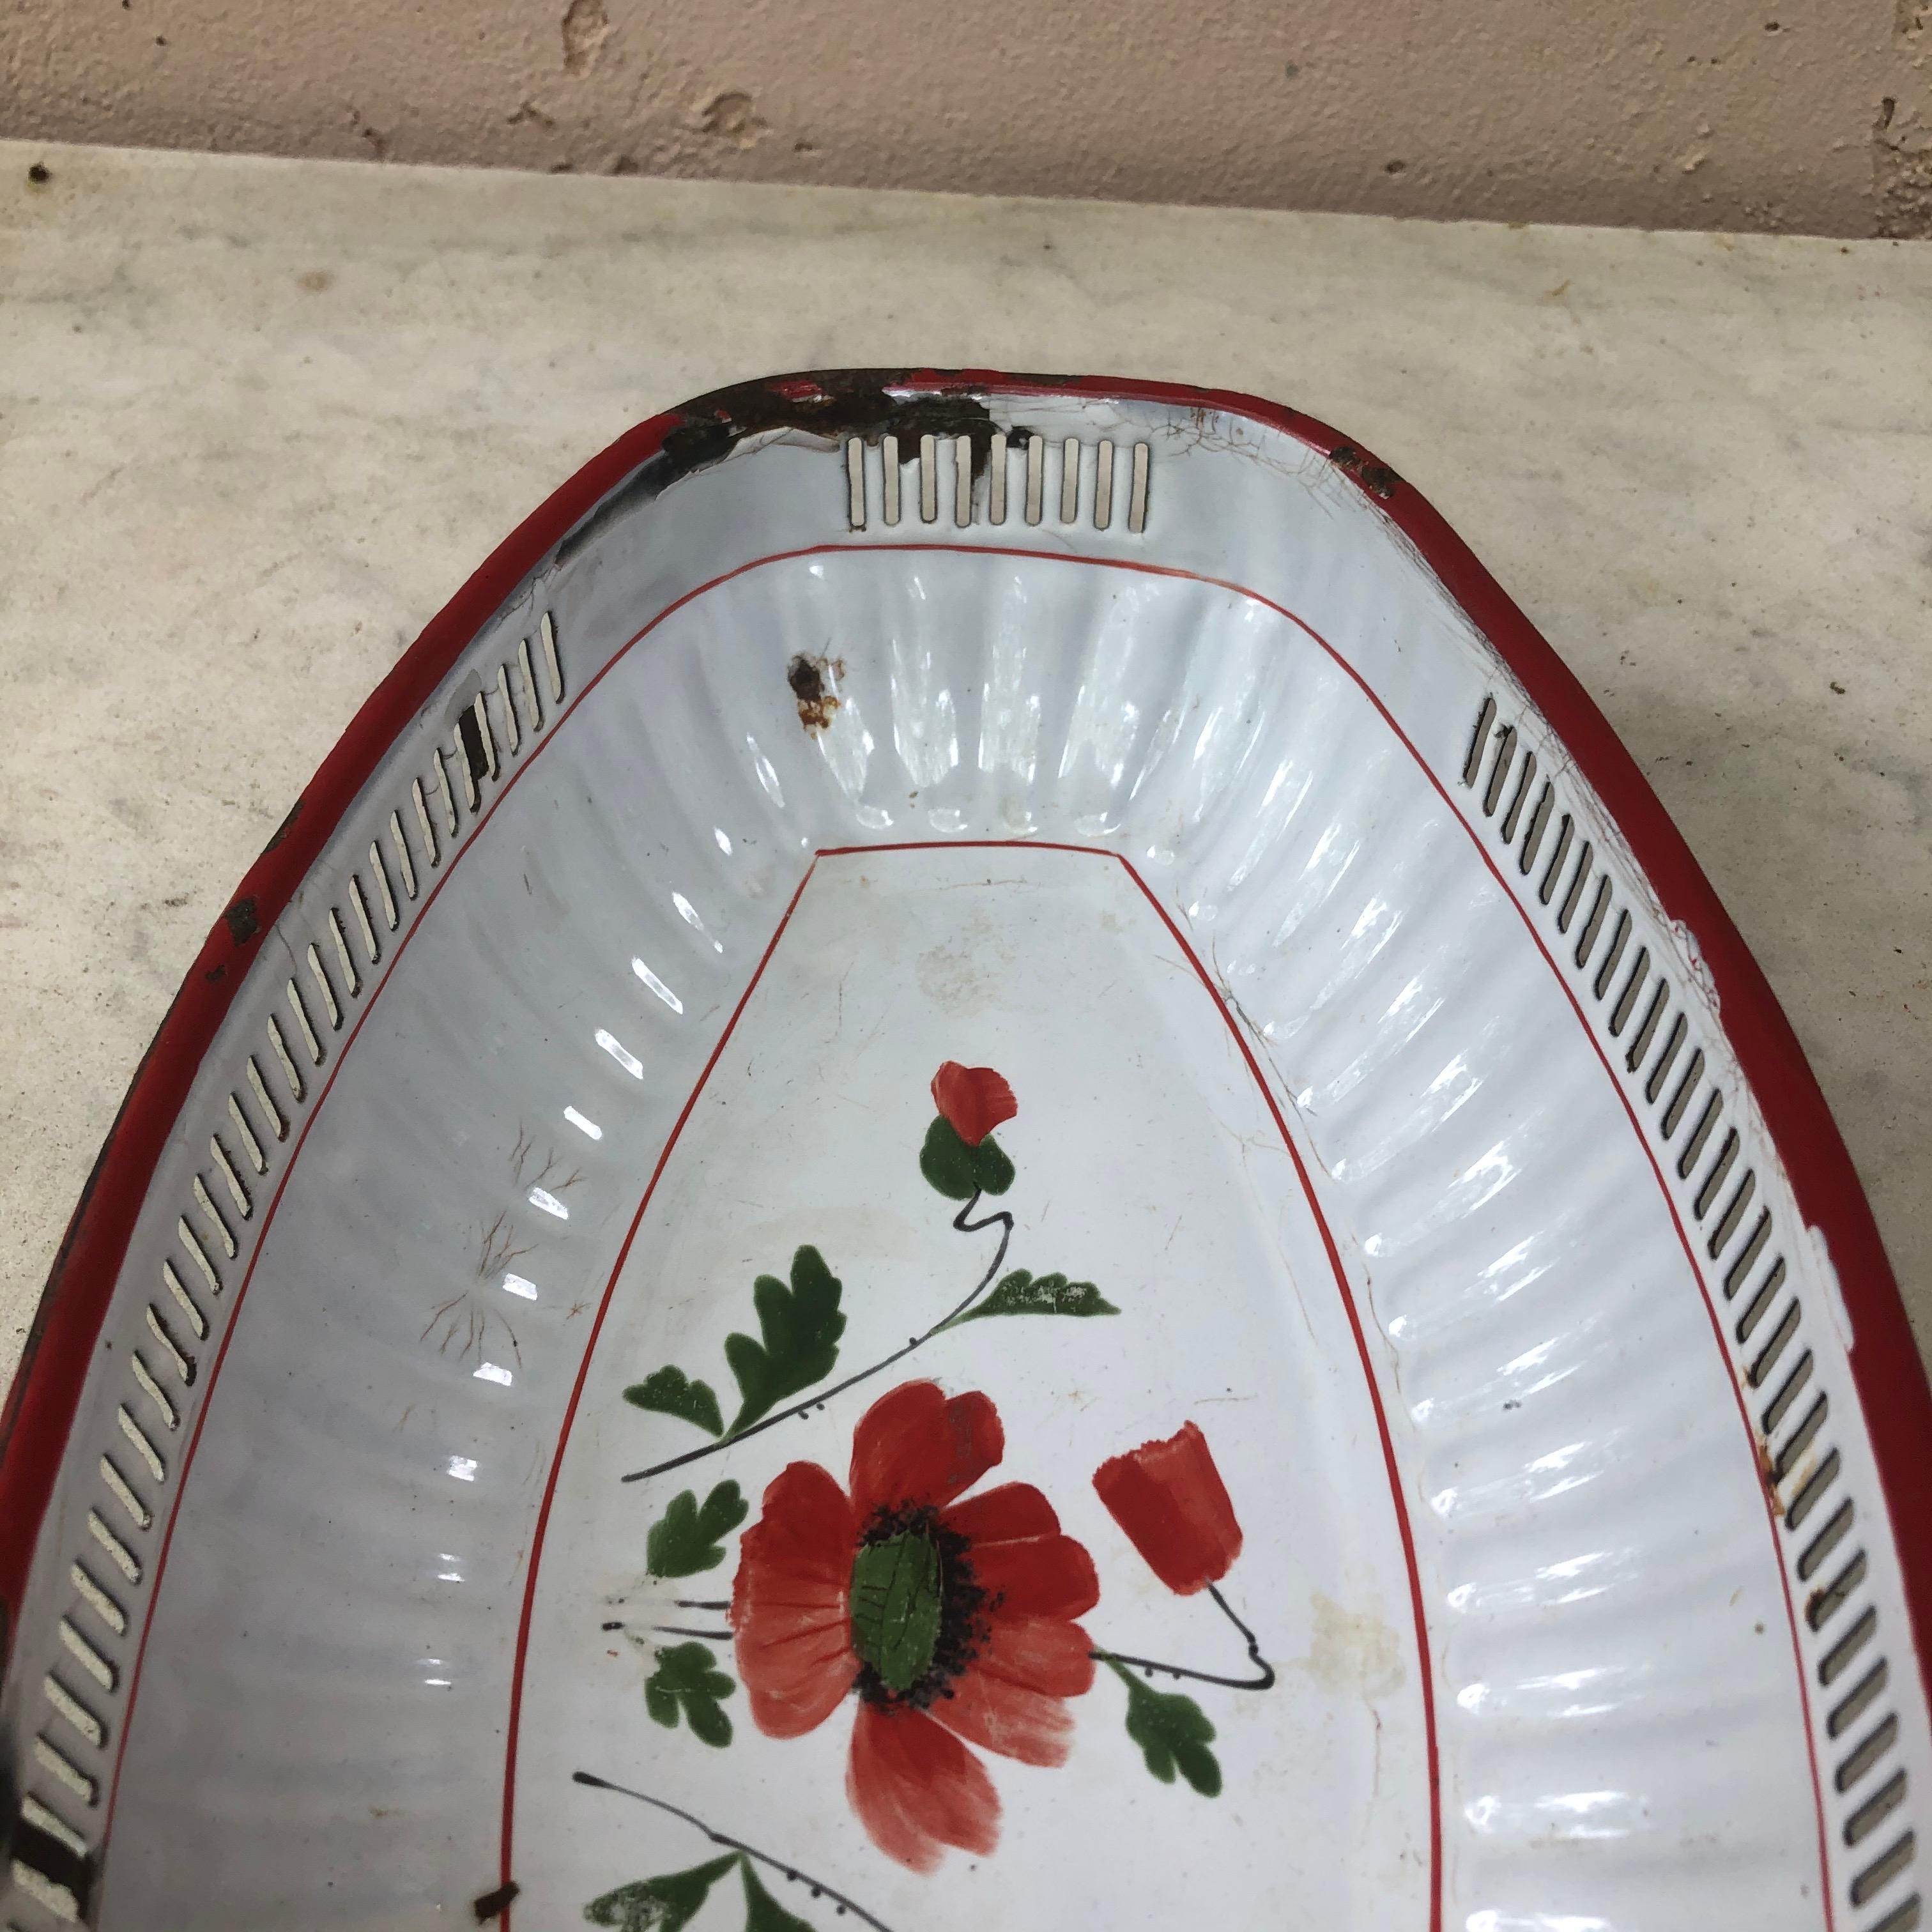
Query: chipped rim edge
(1894, 1399)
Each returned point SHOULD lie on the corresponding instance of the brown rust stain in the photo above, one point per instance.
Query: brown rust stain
(814, 683)
(493, 1904)
(241, 921)
(1377, 478)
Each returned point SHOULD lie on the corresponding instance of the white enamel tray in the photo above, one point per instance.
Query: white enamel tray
(979, 1163)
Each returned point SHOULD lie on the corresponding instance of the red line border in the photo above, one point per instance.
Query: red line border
(1425, 1663)
(1895, 1403)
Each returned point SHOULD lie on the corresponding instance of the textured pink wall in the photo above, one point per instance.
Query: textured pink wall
(1801, 114)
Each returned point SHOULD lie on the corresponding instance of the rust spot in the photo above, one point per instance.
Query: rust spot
(281, 831)
(493, 1904)
(1377, 478)
(216, 972)
(242, 922)
(812, 680)
(831, 403)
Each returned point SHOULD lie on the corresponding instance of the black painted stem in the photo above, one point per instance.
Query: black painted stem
(732, 1844)
(1002, 1220)
(1265, 1681)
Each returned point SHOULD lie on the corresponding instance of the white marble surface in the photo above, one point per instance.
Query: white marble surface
(259, 419)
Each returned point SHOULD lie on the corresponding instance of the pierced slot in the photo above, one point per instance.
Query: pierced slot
(996, 478)
(196, 1320)
(1747, 1259)
(1875, 1809)
(530, 694)
(1825, 1604)
(205, 1201)
(1627, 999)
(237, 1192)
(301, 1011)
(404, 863)
(928, 479)
(179, 1358)
(118, 1553)
(1884, 1869)
(889, 453)
(1137, 501)
(484, 736)
(1779, 1406)
(1532, 837)
(553, 664)
(358, 903)
(280, 1045)
(84, 1654)
(1812, 1560)
(1646, 1031)
(123, 1493)
(1578, 880)
(422, 823)
(1673, 1045)
(350, 977)
(62, 1768)
(1800, 1439)
(74, 1711)
(390, 918)
(510, 723)
(1868, 1751)
(143, 1447)
(1499, 770)
(144, 1376)
(962, 482)
(1507, 832)
(1727, 1225)
(1813, 1493)
(1727, 1155)
(1679, 1100)
(1858, 1700)
(97, 1599)
(1619, 938)
(1593, 924)
(244, 1127)
(1565, 831)
(1699, 1134)
(855, 483)
(1103, 486)
(446, 796)
(1069, 480)
(1485, 720)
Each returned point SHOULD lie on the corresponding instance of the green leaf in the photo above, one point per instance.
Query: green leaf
(1020, 1293)
(666, 1904)
(669, 1391)
(959, 1171)
(684, 1540)
(800, 1326)
(687, 1680)
(1173, 1733)
(763, 1912)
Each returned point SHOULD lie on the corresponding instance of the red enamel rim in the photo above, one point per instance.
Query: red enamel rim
(1895, 1401)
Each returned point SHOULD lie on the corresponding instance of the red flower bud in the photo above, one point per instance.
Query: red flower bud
(973, 1100)
(1170, 1499)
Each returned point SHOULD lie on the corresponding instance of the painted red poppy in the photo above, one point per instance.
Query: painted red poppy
(973, 1100)
(953, 1620)
(1170, 1499)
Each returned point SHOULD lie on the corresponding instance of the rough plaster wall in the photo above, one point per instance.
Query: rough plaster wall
(1813, 115)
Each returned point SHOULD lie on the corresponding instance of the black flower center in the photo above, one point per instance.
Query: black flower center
(917, 1614)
